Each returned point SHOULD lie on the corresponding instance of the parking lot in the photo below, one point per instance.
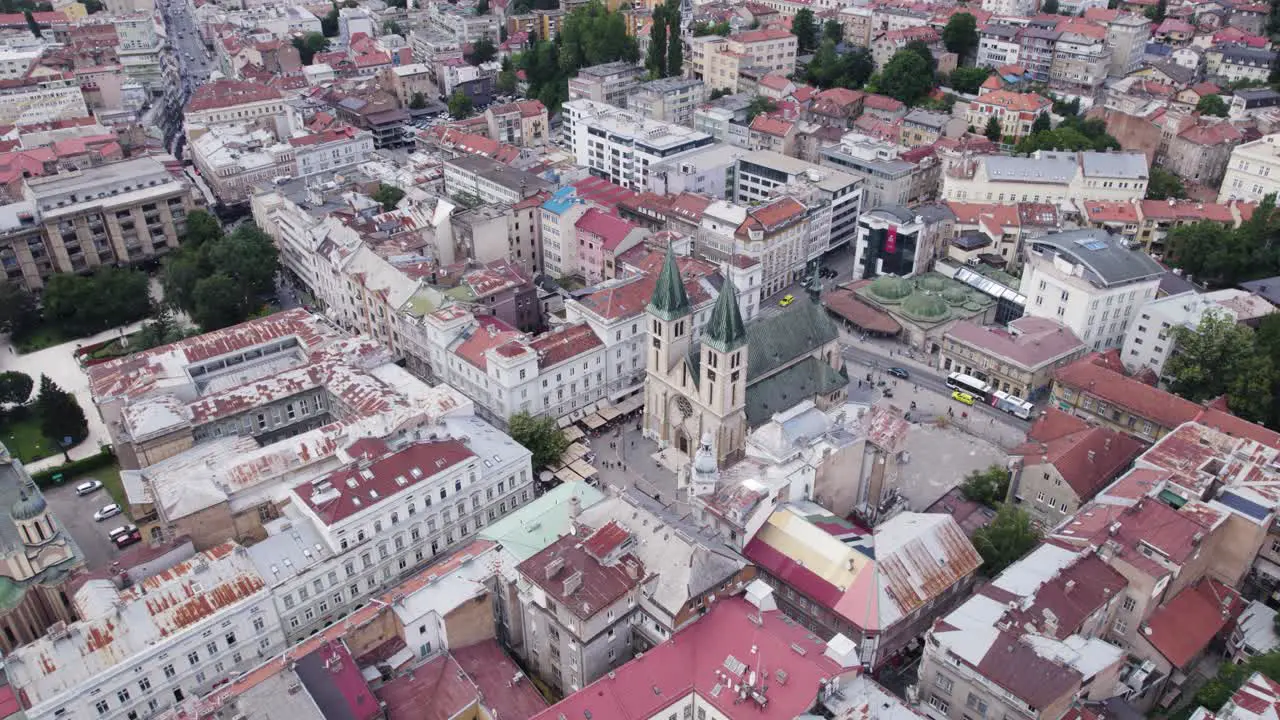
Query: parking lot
(76, 515)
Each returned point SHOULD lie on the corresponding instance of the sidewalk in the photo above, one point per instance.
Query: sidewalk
(894, 353)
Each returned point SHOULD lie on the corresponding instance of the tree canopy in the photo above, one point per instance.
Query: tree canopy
(61, 417)
(15, 387)
(1009, 536)
(482, 51)
(832, 30)
(1221, 257)
(906, 77)
(309, 45)
(460, 105)
(1072, 133)
(850, 69)
(921, 48)
(18, 312)
(220, 279)
(1212, 105)
(805, 30)
(1162, 185)
(988, 487)
(656, 60)
(1219, 357)
(703, 28)
(589, 35)
(1050, 7)
(992, 130)
(968, 79)
(86, 304)
(541, 436)
(960, 36)
(388, 196)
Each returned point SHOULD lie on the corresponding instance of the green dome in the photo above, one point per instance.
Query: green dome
(889, 287)
(973, 306)
(28, 507)
(955, 295)
(925, 306)
(935, 283)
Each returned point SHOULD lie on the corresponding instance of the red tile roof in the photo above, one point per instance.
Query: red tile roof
(604, 541)
(610, 230)
(765, 35)
(1072, 596)
(493, 673)
(1088, 459)
(229, 93)
(882, 102)
(490, 332)
(565, 344)
(353, 489)
(770, 125)
(1111, 211)
(1017, 102)
(569, 574)
(1093, 375)
(694, 661)
(1183, 628)
(331, 668)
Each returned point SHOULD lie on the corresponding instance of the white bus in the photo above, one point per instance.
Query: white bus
(980, 390)
(1012, 404)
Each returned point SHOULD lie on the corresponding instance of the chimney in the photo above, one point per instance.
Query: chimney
(1107, 444)
(575, 508)
(1092, 455)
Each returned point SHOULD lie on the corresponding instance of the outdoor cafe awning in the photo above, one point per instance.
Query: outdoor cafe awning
(593, 421)
(608, 412)
(565, 475)
(583, 469)
(573, 432)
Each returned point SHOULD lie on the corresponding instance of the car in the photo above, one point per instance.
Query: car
(107, 511)
(899, 372)
(787, 300)
(963, 397)
(124, 541)
(122, 530)
(91, 486)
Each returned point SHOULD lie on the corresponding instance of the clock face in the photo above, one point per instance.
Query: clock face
(682, 403)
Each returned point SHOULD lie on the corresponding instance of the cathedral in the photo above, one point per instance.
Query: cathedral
(723, 379)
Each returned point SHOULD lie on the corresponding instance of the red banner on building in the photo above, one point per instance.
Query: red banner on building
(891, 244)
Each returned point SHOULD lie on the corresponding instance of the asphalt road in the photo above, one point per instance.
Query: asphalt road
(194, 62)
(76, 515)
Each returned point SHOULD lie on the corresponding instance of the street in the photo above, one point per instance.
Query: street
(194, 66)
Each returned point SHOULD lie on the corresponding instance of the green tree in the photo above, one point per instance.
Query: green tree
(1212, 105)
(506, 82)
(179, 273)
(18, 312)
(988, 487)
(482, 7)
(249, 257)
(760, 105)
(61, 417)
(1219, 357)
(202, 227)
(460, 105)
(992, 130)
(541, 436)
(1163, 185)
(921, 48)
(86, 304)
(15, 387)
(329, 23)
(1041, 124)
(391, 27)
(961, 35)
(906, 77)
(806, 32)
(832, 30)
(32, 25)
(858, 67)
(310, 44)
(719, 93)
(1158, 13)
(657, 59)
(589, 35)
(93, 6)
(968, 79)
(388, 196)
(218, 302)
(418, 101)
(1009, 536)
(1050, 7)
(160, 330)
(675, 43)
(482, 51)
(1067, 108)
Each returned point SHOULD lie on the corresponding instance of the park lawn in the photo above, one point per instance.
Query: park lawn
(25, 441)
(45, 336)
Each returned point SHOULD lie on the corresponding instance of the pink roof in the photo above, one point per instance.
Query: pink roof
(601, 191)
(765, 35)
(442, 688)
(1171, 25)
(1035, 342)
(490, 332)
(611, 230)
(560, 564)
(693, 661)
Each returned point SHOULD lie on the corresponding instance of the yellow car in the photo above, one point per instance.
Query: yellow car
(787, 300)
(963, 397)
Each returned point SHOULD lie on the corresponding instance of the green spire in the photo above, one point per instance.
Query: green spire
(724, 330)
(669, 300)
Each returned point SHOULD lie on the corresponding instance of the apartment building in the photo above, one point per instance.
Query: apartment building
(1089, 281)
(1040, 653)
(1019, 359)
(1052, 177)
(330, 150)
(1150, 342)
(130, 656)
(1010, 8)
(406, 81)
(234, 159)
(1015, 112)
(76, 220)
(998, 45)
(1127, 36)
(610, 83)
(1096, 388)
(31, 101)
(523, 123)
(669, 100)
(1064, 463)
(1081, 62)
(889, 174)
(1253, 172)
(848, 564)
(775, 235)
(490, 181)
(1234, 63)
(620, 146)
(224, 102)
(1036, 45)
(717, 61)
(558, 217)
(833, 197)
(888, 44)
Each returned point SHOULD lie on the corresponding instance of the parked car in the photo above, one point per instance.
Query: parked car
(963, 397)
(107, 511)
(91, 486)
(122, 530)
(124, 541)
(899, 373)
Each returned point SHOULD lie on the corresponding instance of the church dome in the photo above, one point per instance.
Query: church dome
(28, 507)
(888, 287)
(925, 306)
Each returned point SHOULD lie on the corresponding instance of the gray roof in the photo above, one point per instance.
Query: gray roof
(1039, 33)
(1049, 167)
(928, 118)
(778, 339)
(1106, 258)
(1266, 288)
(1255, 93)
(1114, 165)
(1242, 55)
(897, 212)
(1001, 31)
(935, 213)
(780, 392)
(1175, 72)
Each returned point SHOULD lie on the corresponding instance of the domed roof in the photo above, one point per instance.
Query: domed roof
(955, 295)
(925, 306)
(935, 283)
(28, 507)
(889, 287)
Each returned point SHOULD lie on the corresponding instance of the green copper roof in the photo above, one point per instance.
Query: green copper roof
(724, 330)
(669, 300)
